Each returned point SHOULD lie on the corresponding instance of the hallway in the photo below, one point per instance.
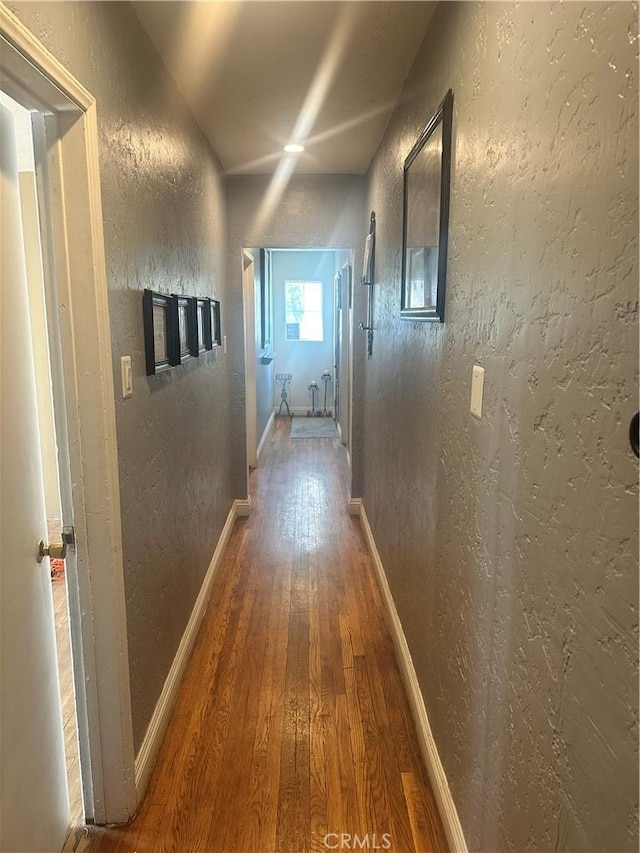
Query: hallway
(292, 722)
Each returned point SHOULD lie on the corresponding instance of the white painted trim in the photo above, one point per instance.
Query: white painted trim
(250, 402)
(26, 44)
(345, 359)
(354, 506)
(351, 296)
(146, 758)
(428, 748)
(243, 508)
(265, 434)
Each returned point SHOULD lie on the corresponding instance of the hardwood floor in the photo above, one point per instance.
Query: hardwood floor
(291, 730)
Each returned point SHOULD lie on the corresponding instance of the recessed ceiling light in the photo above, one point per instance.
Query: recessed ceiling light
(294, 148)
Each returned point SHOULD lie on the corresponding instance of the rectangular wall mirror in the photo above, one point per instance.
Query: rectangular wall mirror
(427, 172)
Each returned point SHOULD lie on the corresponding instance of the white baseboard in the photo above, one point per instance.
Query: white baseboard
(148, 753)
(301, 411)
(243, 507)
(265, 434)
(446, 805)
(354, 506)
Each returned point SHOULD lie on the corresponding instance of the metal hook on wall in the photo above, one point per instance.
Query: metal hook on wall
(368, 278)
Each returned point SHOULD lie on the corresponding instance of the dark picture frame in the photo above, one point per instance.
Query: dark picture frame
(216, 323)
(186, 327)
(425, 226)
(203, 324)
(160, 326)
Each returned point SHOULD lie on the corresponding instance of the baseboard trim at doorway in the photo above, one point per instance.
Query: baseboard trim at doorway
(243, 508)
(354, 506)
(444, 799)
(148, 753)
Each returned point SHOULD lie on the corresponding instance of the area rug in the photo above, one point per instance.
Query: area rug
(313, 428)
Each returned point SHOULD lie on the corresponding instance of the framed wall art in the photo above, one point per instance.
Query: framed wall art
(216, 323)
(427, 175)
(203, 324)
(187, 343)
(160, 326)
(178, 328)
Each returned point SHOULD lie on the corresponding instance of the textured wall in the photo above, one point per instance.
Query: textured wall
(164, 228)
(311, 213)
(511, 543)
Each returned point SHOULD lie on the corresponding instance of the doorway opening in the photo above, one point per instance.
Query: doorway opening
(50, 437)
(298, 318)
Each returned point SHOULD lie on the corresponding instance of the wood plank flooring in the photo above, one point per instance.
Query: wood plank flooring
(291, 730)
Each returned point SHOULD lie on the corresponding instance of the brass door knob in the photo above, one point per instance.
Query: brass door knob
(57, 550)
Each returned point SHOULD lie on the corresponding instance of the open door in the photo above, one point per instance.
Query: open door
(342, 342)
(337, 348)
(248, 284)
(34, 812)
(34, 805)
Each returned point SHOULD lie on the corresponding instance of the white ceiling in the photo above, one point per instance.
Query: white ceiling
(258, 74)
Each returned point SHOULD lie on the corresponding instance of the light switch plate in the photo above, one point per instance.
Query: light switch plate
(224, 344)
(477, 390)
(127, 378)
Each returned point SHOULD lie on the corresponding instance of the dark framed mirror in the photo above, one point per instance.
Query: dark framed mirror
(427, 175)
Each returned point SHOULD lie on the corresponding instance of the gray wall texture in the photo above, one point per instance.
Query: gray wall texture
(312, 212)
(511, 543)
(164, 228)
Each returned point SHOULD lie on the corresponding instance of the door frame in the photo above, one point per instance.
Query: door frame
(338, 330)
(251, 415)
(346, 352)
(70, 177)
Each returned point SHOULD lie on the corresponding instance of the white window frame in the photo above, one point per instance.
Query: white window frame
(301, 340)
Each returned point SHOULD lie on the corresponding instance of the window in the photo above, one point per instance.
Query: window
(303, 311)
